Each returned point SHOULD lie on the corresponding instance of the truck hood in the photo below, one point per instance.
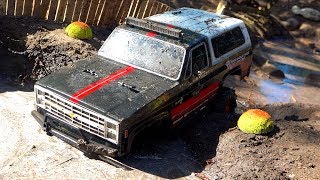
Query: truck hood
(110, 88)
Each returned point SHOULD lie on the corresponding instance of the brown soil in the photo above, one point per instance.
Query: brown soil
(210, 147)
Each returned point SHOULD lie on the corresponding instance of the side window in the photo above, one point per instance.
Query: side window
(227, 41)
(199, 58)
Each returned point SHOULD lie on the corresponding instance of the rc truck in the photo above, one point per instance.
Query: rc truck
(161, 69)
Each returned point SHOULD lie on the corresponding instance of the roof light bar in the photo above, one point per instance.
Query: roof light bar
(153, 26)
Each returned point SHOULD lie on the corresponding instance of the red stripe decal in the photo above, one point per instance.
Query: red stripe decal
(170, 26)
(151, 34)
(76, 97)
(192, 103)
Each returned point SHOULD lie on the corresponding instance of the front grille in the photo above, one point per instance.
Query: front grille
(80, 117)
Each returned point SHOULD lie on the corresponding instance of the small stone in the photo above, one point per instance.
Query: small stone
(272, 70)
(310, 165)
(293, 24)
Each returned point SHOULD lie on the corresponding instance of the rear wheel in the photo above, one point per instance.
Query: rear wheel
(224, 102)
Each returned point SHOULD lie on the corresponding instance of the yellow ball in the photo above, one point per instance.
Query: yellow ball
(255, 121)
(79, 30)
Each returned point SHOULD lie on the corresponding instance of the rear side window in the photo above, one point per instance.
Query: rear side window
(227, 41)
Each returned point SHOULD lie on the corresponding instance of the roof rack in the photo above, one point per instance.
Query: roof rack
(154, 26)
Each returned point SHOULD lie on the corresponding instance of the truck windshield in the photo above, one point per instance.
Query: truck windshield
(147, 53)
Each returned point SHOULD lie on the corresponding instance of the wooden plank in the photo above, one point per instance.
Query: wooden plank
(168, 8)
(98, 12)
(53, 10)
(27, 8)
(18, 8)
(110, 17)
(142, 8)
(121, 8)
(61, 10)
(36, 8)
(92, 11)
(104, 12)
(136, 9)
(154, 8)
(3, 7)
(123, 13)
(69, 10)
(44, 7)
(77, 10)
(149, 8)
(132, 7)
(163, 8)
(84, 10)
(11, 7)
(158, 8)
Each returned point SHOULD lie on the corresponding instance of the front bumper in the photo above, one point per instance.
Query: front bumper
(74, 136)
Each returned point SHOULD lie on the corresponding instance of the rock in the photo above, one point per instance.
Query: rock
(307, 13)
(272, 70)
(292, 24)
(308, 30)
(313, 79)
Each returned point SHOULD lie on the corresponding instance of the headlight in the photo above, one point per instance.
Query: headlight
(39, 97)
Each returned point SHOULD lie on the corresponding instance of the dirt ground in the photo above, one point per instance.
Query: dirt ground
(284, 81)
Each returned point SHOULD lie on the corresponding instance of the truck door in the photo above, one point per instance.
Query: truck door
(196, 94)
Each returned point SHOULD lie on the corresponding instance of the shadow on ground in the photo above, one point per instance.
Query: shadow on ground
(179, 152)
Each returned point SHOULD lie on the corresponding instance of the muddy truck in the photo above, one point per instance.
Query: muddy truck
(159, 70)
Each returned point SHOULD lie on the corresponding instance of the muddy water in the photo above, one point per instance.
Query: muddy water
(302, 74)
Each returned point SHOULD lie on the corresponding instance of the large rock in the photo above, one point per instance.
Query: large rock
(307, 13)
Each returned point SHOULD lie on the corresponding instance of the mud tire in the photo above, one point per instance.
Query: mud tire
(224, 103)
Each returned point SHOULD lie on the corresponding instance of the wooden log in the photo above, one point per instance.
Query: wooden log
(27, 8)
(92, 11)
(61, 10)
(19, 8)
(69, 11)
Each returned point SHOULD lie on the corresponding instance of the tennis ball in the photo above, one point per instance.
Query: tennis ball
(79, 30)
(255, 121)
